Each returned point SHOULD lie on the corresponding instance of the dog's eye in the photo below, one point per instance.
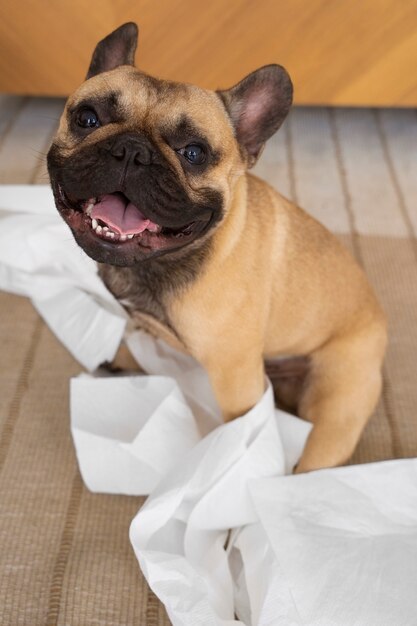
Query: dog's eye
(87, 118)
(194, 153)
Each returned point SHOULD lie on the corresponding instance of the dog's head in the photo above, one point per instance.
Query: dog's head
(142, 167)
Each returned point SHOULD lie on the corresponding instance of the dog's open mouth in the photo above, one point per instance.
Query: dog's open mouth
(112, 219)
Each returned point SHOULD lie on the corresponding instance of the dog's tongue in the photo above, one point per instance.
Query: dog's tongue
(120, 215)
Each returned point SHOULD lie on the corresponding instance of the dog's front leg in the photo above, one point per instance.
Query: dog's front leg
(342, 390)
(238, 379)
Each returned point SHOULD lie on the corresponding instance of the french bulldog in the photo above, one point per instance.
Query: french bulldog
(152, 178)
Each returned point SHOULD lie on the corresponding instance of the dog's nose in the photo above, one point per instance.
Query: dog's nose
(132, 149)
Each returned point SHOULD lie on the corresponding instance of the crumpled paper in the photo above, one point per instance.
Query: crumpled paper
(332, 548)
(39, 259)
(224, 538)
(179, 535)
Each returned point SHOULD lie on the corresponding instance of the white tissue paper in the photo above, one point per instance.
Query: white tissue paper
(224, 538)
(39, 259)
(333, 547)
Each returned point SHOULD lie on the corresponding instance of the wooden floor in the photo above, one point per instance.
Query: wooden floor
(65, 556)
(26, 129)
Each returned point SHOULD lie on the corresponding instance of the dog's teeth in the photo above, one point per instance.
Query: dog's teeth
(153, 228)
(130, 236)
(123, 237)
(105, 228)
(94, 224)
(98, 229)
(89, 209)
(108, 234)
(112, 235)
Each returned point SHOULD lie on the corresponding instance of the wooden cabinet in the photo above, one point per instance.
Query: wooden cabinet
(339, 52)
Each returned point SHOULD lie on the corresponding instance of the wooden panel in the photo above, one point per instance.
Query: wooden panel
(338, 51)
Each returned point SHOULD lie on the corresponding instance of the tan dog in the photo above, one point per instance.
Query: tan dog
(152, 178)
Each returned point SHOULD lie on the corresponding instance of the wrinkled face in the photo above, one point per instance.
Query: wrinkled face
(142, 167)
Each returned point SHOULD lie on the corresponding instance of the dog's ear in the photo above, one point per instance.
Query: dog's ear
(116, 49)
(257, 106)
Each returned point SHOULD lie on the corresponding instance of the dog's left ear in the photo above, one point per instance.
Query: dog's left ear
(257, 106)
(116, 49)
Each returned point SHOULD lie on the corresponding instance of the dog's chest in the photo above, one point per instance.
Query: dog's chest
(147, 290)
(139, 292)
(147, 293)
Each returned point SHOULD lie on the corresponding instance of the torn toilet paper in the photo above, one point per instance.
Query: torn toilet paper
(333, 548)
(224, 538)
(40, 259)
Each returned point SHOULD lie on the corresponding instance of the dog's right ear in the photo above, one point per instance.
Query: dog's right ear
(116, 49)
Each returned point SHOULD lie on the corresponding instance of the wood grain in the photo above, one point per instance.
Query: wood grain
(338, 52)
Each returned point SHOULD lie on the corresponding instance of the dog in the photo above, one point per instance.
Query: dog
(152, 178)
